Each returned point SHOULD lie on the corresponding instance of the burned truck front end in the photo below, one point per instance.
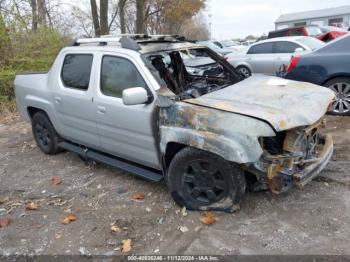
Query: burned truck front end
(270, 127)
(293, 157)
(276, 160)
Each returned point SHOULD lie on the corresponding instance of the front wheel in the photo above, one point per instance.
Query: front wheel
(245, 71)
(200, 180)
(341, 87)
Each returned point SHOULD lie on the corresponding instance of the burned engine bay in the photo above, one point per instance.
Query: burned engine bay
(191, 73)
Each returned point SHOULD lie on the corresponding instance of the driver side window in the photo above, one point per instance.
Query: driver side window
(118, 74)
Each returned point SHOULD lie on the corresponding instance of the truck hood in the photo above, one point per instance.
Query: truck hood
(284, 104)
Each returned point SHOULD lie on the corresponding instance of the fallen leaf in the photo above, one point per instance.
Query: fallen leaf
(58, 236)
(138, 196)
(115, 229)
(183, 229)
(126, 245)
(4, 200)
(69, 218)
(32, 206)
(207, 218)
(56, 181)
(184, 211)
(4, 222)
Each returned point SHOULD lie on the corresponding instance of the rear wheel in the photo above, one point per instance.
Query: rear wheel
(44, 134)
(200, 180)
(245, 71)
(341, 87)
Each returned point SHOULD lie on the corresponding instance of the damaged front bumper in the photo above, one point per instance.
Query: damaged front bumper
(281, 171)
(311, 171)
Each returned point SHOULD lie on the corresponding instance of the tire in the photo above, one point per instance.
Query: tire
(200, 180)
(245, 71)
(341, 87)
(45, 134)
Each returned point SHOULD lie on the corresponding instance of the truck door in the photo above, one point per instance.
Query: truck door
(73, 100)
(125, 131)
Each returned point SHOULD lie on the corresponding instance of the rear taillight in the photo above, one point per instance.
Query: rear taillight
(293, 62)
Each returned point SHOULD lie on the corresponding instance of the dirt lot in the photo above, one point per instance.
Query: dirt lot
(314, 220)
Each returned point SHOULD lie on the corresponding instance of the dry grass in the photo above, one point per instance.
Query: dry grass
(7, 108)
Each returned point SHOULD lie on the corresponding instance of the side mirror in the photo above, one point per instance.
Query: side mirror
(299, 49)
(135, 96)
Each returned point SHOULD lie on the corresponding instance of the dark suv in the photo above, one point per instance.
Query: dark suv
(328, 66)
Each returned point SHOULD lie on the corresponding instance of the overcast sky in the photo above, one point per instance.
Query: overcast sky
(239, 18)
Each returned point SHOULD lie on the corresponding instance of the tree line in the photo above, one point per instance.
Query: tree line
(33, 31)
(101, 17)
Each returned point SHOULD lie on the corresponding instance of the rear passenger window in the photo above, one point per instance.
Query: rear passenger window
(76, 71)
(266, 48)
(118, 74)
(286, 47)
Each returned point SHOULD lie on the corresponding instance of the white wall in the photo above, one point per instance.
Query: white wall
(319, 21)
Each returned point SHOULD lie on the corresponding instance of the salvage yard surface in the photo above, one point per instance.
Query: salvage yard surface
(60, 205)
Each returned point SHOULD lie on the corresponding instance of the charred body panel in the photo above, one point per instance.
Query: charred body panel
(233, 137)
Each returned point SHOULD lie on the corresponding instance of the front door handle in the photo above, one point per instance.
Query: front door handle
(58, 100)
(101, 109)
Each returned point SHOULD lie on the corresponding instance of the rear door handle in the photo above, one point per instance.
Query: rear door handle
(101, 109)
(58, 100)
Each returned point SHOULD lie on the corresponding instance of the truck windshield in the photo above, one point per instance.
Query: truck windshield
(190, 73)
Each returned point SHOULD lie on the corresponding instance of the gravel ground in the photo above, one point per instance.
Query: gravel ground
(313, 220)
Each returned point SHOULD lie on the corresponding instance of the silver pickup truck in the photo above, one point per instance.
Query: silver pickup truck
(131, 102)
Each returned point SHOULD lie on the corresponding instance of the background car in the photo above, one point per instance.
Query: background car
(248, 42)
(217, 49)
(323, 33)
(229, 44)
(328, 66)
(269, 55)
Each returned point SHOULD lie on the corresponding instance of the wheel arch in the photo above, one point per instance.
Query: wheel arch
(31, 110)
(244, 64)
(339, 75)
(172, 148)
(237, 150)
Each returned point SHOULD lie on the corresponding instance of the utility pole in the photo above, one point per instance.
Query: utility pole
(210, 35)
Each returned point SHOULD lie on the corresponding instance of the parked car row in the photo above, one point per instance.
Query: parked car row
(301, 58)
(323, 33)
(268, 56)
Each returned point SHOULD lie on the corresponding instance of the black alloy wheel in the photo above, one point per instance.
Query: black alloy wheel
(200, 180)
(204, 182)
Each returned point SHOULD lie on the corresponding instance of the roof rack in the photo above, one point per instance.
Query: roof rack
(129, 41)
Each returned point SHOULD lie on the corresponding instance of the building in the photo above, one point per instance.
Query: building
(336, 16)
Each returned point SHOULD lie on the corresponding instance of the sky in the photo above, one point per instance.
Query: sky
(239, 18)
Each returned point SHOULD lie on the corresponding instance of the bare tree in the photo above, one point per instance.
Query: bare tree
(140, 16)
(122, 16)
(41, 13)
(100, 21)
(95, 18)
(104, 17)
(5, 44)
(34, 15)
